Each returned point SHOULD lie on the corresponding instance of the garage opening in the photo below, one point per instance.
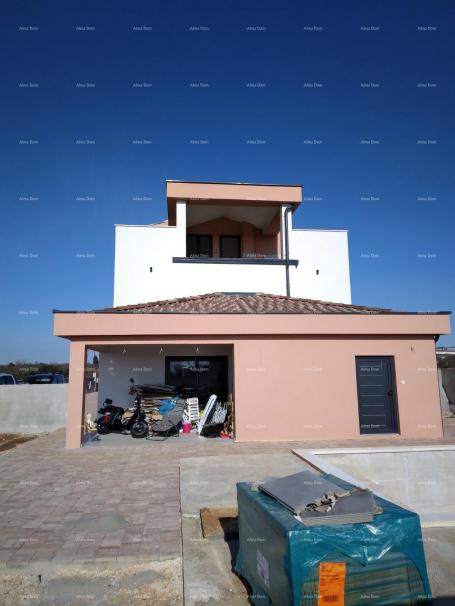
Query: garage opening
(190, 385)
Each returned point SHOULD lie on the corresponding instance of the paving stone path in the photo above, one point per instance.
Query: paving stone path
(105, 501)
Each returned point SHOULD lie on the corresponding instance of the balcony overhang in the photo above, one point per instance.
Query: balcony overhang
(230, 194)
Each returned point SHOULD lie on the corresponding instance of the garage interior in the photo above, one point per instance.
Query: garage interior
(193, 370)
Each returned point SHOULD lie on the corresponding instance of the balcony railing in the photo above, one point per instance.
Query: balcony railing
(244, 260)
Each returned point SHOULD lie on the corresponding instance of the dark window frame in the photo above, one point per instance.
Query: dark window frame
(199, 255)
(222, 358)
(230, 236)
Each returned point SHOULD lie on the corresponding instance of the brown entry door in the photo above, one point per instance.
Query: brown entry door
(376, 391)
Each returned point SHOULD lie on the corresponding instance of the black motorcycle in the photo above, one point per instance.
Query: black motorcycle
(112, 419)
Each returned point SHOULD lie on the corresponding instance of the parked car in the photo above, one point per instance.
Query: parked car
(46, 378)
(7, 379)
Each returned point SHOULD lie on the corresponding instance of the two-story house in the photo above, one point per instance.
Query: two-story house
(227, 297)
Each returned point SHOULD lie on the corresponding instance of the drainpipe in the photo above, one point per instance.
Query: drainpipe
(286, 248)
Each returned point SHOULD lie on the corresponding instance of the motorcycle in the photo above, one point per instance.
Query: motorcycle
(113, 418)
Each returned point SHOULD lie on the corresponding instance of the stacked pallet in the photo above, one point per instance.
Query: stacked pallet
(153, 395)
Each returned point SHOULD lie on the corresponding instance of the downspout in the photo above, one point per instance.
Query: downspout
(288, 209)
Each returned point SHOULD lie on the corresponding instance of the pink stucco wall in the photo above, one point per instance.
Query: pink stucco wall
(302, 388)
(294, 375)
(305, 389)
(76, 393)
(283, 194)
(88, 325)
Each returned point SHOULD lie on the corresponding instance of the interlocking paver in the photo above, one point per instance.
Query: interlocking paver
(45, 490)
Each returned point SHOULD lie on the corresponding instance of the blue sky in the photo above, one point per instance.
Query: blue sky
(352, 99)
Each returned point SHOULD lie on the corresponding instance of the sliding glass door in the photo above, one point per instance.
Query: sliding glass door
(203, 375)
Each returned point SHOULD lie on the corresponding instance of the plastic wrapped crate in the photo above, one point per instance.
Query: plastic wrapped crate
(282, 560)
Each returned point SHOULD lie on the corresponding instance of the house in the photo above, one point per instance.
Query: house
(301, 361)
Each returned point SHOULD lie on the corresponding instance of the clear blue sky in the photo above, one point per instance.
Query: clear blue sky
(253, 83)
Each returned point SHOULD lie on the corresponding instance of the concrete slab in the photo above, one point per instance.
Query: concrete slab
(439, 545)
(207, 568)
(418, 477)
(211, 481)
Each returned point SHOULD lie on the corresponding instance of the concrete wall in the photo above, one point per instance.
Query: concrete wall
(325, 252)
(448, 380)
(32, 408)
(145, 365)
(418, 477)
(138, 248)
(203, 278)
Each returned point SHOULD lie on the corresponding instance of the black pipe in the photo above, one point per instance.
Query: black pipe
(286, 248)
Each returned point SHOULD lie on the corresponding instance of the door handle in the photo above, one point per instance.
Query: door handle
(390, 393)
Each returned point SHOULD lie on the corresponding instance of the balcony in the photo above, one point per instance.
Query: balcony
(238, 249)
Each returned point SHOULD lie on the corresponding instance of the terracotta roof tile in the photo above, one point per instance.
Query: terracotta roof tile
(244, 303)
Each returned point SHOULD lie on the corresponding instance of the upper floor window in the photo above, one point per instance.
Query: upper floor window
(198, 246)
(230, 247)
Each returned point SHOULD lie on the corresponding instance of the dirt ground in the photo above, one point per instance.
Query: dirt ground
(94, 584)
(10, 440)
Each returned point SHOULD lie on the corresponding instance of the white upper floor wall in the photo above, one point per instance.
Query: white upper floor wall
(151, 261)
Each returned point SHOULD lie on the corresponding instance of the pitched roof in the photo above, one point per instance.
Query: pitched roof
(244, 303)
